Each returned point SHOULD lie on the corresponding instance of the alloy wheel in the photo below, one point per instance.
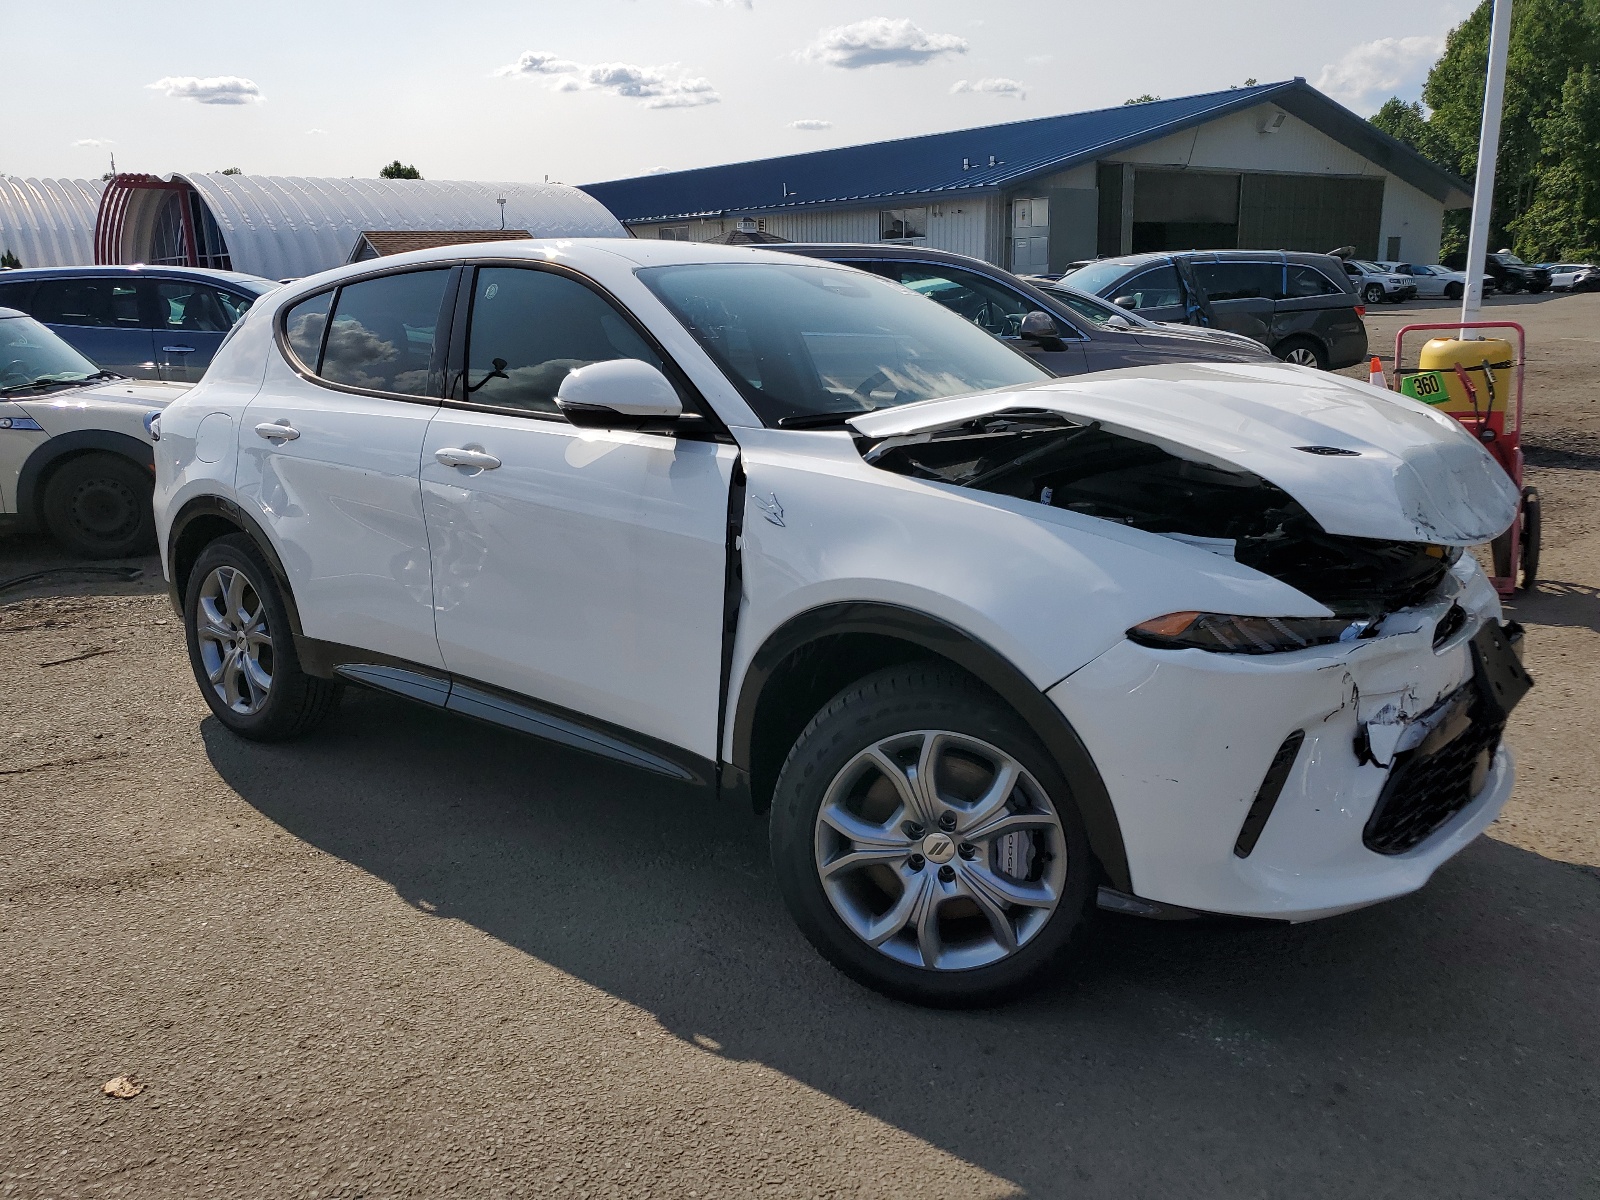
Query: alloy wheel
(1301, 356)
(940, 850)
(235, 640)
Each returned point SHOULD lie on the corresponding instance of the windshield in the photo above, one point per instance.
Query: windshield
(1367, 268)
(801, 340)
(1098, 276)
(31, 355)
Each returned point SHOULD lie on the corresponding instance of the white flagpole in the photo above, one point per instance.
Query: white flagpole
(1488, 149)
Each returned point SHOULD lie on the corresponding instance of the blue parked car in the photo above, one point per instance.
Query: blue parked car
(139, 321)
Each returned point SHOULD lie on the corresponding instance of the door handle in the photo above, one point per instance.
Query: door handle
(177, 349)
(451, 456)
(279, 430)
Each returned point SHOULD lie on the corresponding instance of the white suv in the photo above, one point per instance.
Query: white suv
(993, 646)
(75, 452)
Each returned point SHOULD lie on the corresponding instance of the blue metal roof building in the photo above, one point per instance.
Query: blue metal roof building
(1223, 165)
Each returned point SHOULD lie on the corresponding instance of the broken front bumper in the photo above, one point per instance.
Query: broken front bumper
(1190, 742)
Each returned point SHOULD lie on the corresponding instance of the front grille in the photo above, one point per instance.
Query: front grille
(1426, 790)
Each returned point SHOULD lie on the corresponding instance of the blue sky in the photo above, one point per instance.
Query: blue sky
(608, 88)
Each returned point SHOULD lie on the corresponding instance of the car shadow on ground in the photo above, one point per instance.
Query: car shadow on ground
(1443, 1044)
(1553, 602)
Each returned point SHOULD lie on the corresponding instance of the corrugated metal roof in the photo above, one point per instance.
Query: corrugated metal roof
(994, 156)
(49, 222)
(282, 227)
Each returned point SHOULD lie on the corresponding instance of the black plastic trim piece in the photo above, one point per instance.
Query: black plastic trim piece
(45, 455)
(1267, 794)
(219, 506)
(413, 685)
(1130, 905)
(507, 709)
(982, 661)
(732, 595)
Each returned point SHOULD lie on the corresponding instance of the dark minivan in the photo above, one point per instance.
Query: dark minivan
(143, 322)
(1300, 306)
(1065, 331)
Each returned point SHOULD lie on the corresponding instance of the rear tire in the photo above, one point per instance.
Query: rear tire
(241, 647)
(924, 899)
(1453, 291)
(98, 506)
(1302, 352)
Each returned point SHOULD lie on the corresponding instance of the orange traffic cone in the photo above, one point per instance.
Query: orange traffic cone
(1375, 375)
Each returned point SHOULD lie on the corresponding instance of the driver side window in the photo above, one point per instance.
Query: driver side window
(529, 328)
(985, 303)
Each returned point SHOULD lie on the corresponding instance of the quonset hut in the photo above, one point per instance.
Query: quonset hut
(283, 227)
(48, 222)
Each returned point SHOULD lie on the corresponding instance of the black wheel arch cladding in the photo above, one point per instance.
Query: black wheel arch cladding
(906, 634)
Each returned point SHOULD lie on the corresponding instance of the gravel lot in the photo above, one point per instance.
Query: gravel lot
(418, 956)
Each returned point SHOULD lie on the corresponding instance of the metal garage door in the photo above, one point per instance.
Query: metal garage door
(1310, 212)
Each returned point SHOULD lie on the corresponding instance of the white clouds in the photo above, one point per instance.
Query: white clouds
(316, 133)
(1008, 88)
(658, 87)
(93, 143)
(810, 123)
(881, 41)
(1368, 74)
(214, 89)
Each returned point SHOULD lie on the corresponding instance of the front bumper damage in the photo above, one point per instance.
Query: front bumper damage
(1378, 730)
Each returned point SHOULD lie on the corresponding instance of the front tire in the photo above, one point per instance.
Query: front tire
(926, 843)
(98, 506)
(242, 649)
(1373, 294)
(1453, 291)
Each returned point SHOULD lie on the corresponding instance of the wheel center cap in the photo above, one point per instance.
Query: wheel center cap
(938, 848)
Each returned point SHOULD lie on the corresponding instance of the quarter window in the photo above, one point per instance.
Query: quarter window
(382, 335)
(529, 328)
(305, 324)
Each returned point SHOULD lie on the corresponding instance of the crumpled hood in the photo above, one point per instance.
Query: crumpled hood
(1413, 475)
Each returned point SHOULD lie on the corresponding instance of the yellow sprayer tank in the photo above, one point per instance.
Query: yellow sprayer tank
(1436, 380)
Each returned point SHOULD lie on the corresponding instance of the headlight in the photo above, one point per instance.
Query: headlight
(1226, 634)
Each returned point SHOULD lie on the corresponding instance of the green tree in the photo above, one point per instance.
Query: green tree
(1144, 99)
(1549, 40)
(1563, 218)
(399, 170)
(1404, 122)
(9, 259)
(230, 171)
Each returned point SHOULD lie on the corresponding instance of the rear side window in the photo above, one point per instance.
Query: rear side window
(1158, 288)
(99, 303)
(1308, 281)
(1239, 280)
(382, 333)
(530, 328)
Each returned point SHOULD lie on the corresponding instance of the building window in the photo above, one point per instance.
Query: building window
(902, 224)
(673, 233)
(170, 241)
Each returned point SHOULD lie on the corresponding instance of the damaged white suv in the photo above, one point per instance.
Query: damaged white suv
(993, 647)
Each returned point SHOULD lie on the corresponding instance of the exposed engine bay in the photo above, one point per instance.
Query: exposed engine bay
(1050, 459)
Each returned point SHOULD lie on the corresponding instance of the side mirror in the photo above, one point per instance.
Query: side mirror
(1118, 321)
(621, 393)
(1126, 302)
(1039, 327)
